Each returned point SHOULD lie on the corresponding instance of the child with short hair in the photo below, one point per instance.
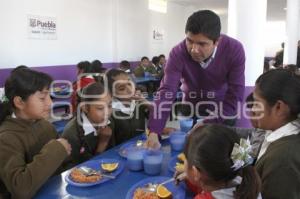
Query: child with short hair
(125, 66)
(90, 131)
(218, 162)
(130, 109)
(29, 149)
(144, 67)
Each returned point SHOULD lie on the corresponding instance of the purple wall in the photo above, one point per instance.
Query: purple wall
(68, 72)
(65, 72)
(61, 72)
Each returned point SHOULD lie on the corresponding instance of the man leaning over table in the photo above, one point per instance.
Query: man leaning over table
(210, 67)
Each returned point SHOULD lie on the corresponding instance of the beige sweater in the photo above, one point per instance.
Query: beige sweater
(29, 155)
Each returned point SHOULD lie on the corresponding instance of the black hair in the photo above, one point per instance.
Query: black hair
(209, 149)
(19, 68)
(97, 67)
(22, 82)
(250, 100)
(125, 65)
(161, 56)
(155, 60)
(92, 89)
(85, 66)
(205, 22)
(292, 68)
(111, 74)
(281, 84)
(143, 58)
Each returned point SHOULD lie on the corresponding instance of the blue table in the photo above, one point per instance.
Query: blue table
(56, 187)
(140, 80)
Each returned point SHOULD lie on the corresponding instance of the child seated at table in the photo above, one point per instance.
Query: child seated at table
(158, 68)
(278, 161)
(218, 161)
(145, 68)
(255, 134)
(130, 109)
(90, 131)
(29, 149)
(125, 66)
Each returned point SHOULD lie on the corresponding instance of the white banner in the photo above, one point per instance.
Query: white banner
(41, 27)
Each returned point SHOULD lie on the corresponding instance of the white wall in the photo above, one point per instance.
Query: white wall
(109, 30)
(81, 35)
(275, 31)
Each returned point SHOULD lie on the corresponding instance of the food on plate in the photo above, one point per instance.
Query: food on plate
(78, 176)
(142, 194)
(161, 193)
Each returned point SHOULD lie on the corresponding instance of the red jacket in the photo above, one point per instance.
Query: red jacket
(204, 196)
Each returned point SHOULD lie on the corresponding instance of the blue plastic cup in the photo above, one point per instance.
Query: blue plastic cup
(135, 158)
(177, 140)
(153, 162)
(186, 124)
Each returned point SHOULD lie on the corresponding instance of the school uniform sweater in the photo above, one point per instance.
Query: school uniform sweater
(129, 126)
(83, 146)
(279, 169)
(140, 70)
(29, 155)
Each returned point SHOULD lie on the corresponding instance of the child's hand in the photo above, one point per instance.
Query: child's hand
(179, 176)
(104, 132)
(138, 96)
(65, 144)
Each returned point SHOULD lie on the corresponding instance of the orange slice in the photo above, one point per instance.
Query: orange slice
(109, 167)
(181, 157)
(179, 167)
(163, 192)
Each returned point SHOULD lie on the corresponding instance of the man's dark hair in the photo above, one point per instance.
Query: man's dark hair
(205, 22)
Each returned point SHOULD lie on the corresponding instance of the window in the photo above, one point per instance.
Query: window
(158, 5)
